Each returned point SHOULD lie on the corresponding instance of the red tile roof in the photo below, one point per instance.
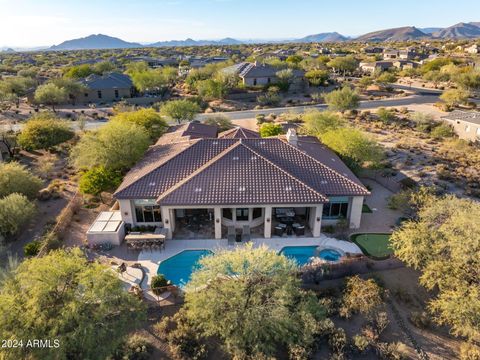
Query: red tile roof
(238, 133)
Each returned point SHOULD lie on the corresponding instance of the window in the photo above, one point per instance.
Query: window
(257, 212)
(116, 94)
(147, 211)
(228, 214)
(242, 214)
(269, 80)
(254, 82)
(99, 93)
(336, 208)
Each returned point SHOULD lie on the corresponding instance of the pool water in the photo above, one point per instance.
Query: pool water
(303, 254)
(179, 268)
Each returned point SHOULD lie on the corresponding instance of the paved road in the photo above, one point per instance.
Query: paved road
(423, 96)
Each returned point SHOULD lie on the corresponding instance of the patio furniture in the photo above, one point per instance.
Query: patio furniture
(231, 235)
(139, 241)
(287, 220)
(246, 233)
(278, 230)
(300, 230)
(289, 230)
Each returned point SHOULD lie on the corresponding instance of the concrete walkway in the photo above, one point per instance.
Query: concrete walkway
(151, 259)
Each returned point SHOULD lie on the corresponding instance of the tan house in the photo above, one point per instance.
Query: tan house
(371, 67)
(282, 186)
(256, 74)
(465, 123)
(107, 88)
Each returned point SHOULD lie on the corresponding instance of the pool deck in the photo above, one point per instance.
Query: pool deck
(151, 259)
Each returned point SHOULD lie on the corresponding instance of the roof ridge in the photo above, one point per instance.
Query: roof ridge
(322, 164)
(199, 170)
(285, 172)
(169, 158)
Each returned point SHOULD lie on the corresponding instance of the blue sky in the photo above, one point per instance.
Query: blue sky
(47, 22)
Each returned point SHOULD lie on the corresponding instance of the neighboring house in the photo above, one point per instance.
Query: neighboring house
(405, 64)
(255, 74)
(465, 123)
(238, 179)
(106, 88)
(371, 67)
(389, 54)
(373, 50)
(154, 62)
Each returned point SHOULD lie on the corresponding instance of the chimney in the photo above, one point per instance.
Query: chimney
(292, 137)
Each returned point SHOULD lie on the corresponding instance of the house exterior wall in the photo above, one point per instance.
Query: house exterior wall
(355, 215)
(259, 81)
(465, 130)
(108, 95)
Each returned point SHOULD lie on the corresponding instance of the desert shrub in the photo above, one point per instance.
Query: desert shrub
(386, 115)
(381, 321)
(44, 133)
(360, 296)
(392, 351)
(15, 211)
(469, 351)
(32, 248)
(99, 179)
(442, 131)
(337, 340)
(135, 347)
(222, 122)
(151, 121)
(399, 201)
(360, 342)
(16, 178)
(269, 99)
(269, 129)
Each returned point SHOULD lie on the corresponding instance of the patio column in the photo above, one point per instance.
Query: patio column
(167, 221)
(356, 211)
(267, 227)
(217, 218)
(317, 220)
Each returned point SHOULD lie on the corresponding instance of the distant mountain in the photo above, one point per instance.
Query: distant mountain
(7, 50)
(395, 34)
(98, 41)
(430, 30)
(191, 42)
(459, 31)
(323, 37)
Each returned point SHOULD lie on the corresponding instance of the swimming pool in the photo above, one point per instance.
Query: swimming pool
(180, 267)
(303, 254)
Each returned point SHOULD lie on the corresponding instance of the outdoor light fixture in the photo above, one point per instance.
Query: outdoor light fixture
(125, 213)
(268, 219)
(318, 219)
(166, 221)
(217, 220)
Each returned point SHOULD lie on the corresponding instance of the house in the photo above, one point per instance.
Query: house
(154, 62)
(212, 184)
(389, 54)
(255, 74)
(466, 124)
(106, 88)
(371, 67)
(405, 64)
(373, 50)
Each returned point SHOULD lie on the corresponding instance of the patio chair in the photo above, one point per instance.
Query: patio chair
(231, 235)
(278, 230)
(246, 233)
(300, 230)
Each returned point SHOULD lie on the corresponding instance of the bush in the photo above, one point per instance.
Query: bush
(32, 248)
(16, 178)
(386, 115)
(269, 99)
(136, 347)
(442, 131)
(360, 342)
(151, 120)
(469, 351)
(222, 122)
(399, 201)
(99, 179)
(157, 283)
(15, 211)
(420, 319)
(360, 296)
(269, 129)
(44, 132)
(337, 341)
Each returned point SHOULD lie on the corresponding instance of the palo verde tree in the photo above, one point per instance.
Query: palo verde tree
(180, 110)
(16, 178)
(443, 243)
(50, 94)
(342, 100)
(252, 301)
(44, 131)
(62, 296)
(151, 120)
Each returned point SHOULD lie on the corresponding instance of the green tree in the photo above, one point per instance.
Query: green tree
(44, 132)
(151, 120)
(285, 78)
(117, 146)
(319, 122)
(78, 71)
(15, 211)
(211, 89)
(103, 67)
(355, 148)
(221, 121)
(180, 110)
(99, 179)
(62, 296)
(50, 94)
(386, 78)
(294, 59)
(344, 64)
(455, 97)
(444, 243)
(16, 178)
(360, 296)
(73, 88)
(342, 100)
(270, 129)
(251, 299)
(317, 77)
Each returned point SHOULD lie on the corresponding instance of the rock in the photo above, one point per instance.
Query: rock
(44, 194)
